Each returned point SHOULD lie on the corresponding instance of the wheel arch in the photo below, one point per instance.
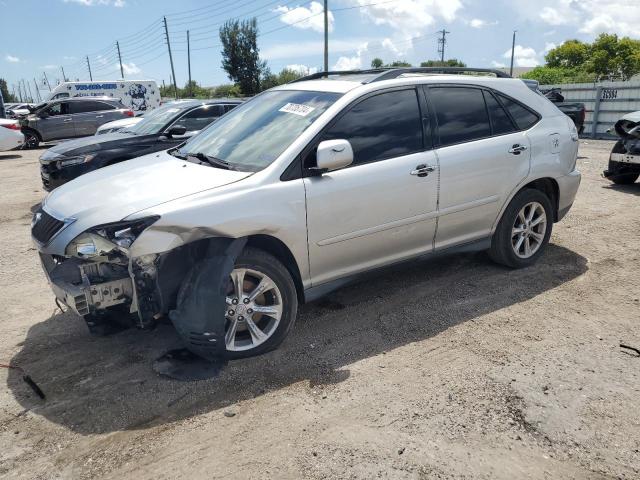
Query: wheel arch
(32, 130)
(547, 185)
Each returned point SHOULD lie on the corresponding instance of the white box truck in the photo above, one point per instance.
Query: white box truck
(139, 95)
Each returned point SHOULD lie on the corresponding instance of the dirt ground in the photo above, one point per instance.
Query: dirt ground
(454, 368)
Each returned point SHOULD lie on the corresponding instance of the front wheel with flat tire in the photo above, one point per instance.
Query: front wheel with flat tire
(523, 231)
(261, 304)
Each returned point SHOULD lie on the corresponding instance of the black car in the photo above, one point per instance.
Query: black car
(160, 129)
(576, 111)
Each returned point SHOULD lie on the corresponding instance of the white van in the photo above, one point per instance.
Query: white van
(139, 95)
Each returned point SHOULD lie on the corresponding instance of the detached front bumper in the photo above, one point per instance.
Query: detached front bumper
(86, 287)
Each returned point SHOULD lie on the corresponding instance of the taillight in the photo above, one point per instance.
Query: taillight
(128, 113)
(11, 126)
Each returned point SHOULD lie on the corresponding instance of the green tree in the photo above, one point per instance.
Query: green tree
(571, 54)
(4, 88)
(228, 90)
(377, 63)
(612, 58)
(240, 54)
(552, 75)
(452, 62)
(286, 75)
(399, 64)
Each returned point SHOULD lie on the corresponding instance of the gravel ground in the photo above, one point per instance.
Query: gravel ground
(454, 368)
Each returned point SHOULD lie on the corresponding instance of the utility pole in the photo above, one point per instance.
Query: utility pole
(441, 43)
(89, 67)
(173, 72)
(189, 64)
(26, 85)
(35, 85)
(64, 77)
(326, 36)
(46, 80)
(120, 59)
(513, 49)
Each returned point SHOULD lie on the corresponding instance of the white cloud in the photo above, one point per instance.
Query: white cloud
(11, 59)
(291, 50)
(479, 23)
(523, 56)
(92, 3)
(410, 16)
(129, 68)
(548, 46)
(591, 17)
(298, 17)
(302, 69)
(495, 64)
(348, 63)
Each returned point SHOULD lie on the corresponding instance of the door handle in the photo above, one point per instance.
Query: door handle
(422, 170)
(99, 116)
(517, 148)
(67, 120)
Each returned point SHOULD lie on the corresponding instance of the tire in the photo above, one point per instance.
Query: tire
(503, 250)
(622, 179)
(255, 260)
(31, 139)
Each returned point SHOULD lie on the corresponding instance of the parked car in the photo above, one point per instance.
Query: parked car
(117, 125)
(138, 95)
(160, 129)
(18, 110)
(10, 135)
(624, 161)
(576, 111)
(74, 117)
(303, 188)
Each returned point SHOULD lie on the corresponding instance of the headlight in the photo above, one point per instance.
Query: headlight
(104, 239)
(77, 160)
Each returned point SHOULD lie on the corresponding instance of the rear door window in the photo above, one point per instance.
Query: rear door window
(382, 126)
(460, 113)
(500, 121)
(523, 117)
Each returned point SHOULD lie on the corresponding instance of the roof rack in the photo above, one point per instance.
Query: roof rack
(379, 74)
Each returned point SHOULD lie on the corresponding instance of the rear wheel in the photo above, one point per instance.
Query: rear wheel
(624, 178)
(261, 304)
(524, 230)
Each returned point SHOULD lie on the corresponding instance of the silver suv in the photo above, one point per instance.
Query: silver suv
(70, 118)
(302, 188)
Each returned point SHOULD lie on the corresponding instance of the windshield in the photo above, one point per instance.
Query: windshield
(253, 135)
(154, 121)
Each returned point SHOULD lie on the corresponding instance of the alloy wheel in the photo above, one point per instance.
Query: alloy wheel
(529, 229)
(253, 309)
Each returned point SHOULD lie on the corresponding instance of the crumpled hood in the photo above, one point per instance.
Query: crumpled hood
(113, 193)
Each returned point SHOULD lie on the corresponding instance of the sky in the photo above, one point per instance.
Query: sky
(39, 37)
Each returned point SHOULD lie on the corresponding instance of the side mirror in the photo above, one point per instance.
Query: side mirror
(334, 154)
(175, 131)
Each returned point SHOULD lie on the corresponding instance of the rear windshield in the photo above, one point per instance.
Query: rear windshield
(251, 136)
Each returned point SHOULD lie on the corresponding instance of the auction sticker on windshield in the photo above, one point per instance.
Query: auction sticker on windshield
(297, 109)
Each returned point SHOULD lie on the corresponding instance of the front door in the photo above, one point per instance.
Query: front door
(58, 124)
(383, 207)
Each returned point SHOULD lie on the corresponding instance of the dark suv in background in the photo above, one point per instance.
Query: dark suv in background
(160, 129)
(70, 118)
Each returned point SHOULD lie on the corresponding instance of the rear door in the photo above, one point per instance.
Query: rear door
(88, 115)
(58, 124)
(483, 156)
(380, 209)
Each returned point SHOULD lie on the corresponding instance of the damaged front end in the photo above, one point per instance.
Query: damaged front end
(624, 161)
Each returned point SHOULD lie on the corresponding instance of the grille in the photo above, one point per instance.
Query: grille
(46, 227)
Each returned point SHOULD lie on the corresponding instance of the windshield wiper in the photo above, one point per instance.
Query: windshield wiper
(176, 154)
(213, 161)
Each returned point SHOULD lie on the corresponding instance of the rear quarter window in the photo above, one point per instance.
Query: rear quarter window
(521, 115)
